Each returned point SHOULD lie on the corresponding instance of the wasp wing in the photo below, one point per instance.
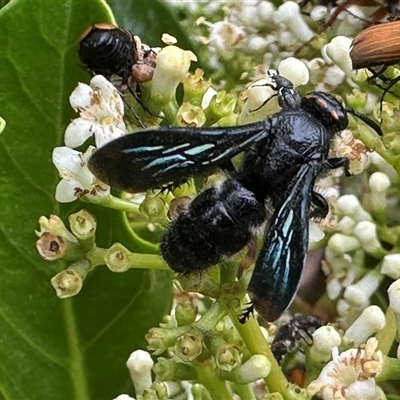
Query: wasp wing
(152, 158)
(280, 263)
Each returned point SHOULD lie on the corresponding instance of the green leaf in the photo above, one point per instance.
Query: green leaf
(149, 20)
(51, 348)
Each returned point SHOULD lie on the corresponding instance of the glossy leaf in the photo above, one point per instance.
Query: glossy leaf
(51, 348)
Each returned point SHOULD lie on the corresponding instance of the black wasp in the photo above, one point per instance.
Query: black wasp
(111, 51)
(283, 155)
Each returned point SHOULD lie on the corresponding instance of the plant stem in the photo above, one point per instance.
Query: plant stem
(256, 343)
(217, 388)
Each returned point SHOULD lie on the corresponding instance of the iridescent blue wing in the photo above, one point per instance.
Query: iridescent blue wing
(154, 158)
(280, 263)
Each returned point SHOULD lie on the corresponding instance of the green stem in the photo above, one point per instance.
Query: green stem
(391, 370)
(244, 391)
(212, 317)
(217, 388)
(373, 141)
(256, 343)
(113, 202)
(170, 111)
(387, 335)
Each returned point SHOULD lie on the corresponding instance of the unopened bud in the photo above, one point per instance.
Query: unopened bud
(294, 70)
(325, 339)
(139, 364)
(394, 302)
(359, 293)
(350, 205)
(372, 319)
(256, 367)
(391, 265)
(366, 234)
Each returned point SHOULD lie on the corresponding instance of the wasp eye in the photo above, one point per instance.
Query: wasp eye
(327, 109)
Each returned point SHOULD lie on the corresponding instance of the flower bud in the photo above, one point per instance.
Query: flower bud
(68, 283)
(394, 302)
(338, 50)
(139, 364)
(391, 266)
(359, 293)
(366, 234)
(346, 225)
(294, 70)
(290, 15)
(325, 339)
(339, 243)
(124, 397)
(350, 205)
(256, 367)
(372, 319)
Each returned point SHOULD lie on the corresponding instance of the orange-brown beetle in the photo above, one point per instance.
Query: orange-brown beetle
(377, 45)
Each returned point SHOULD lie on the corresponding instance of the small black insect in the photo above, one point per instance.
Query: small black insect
(283, 155)
(291, 336)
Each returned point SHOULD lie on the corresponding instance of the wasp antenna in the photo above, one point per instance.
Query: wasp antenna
(366, 120)
(139, 100)
(265, 101)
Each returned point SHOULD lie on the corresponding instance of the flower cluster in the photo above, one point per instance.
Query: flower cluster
(205, 350)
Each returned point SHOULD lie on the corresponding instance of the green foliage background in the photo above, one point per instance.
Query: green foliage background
(51, 348)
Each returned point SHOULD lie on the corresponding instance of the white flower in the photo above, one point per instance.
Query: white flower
(350, 376)
(101, 112)
(76, 180)
(224, 36)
